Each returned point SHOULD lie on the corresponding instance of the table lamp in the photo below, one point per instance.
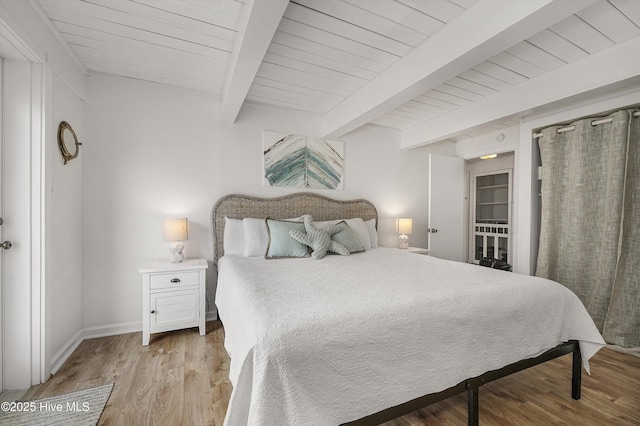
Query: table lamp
(403, 227)
(175, 231)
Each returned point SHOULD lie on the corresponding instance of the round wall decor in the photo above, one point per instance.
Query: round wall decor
(67, 142)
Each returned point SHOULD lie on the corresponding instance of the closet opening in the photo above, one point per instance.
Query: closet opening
(490, 212)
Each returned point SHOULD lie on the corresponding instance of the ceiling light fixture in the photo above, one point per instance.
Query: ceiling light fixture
(488, 157)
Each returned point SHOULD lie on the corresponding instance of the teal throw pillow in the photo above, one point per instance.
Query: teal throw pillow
(281, 245)
(345, 236)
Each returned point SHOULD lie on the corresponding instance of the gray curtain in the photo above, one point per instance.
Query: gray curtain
(590, 225)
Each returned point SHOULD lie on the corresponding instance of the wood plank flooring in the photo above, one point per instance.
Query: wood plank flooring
(181, 378)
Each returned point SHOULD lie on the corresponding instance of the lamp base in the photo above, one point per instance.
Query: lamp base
(403, 241)
(175, 252)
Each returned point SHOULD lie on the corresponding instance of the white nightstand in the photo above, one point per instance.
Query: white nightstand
(418, 250)
(173, 296)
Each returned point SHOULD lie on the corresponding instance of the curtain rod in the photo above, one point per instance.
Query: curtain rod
(593, 123)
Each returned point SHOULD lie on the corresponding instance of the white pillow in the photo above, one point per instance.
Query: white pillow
(373, 233)
(233, 237)
(256, 235)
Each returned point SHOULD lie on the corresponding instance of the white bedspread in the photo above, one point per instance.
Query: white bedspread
(323, 342)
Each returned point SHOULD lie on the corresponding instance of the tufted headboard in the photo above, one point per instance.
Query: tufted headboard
(237, 206)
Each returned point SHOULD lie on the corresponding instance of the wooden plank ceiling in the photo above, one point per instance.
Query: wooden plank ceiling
(397, 63)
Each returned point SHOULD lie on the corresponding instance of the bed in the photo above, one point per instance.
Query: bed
(365, 338)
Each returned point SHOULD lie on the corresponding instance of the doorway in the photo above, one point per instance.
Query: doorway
(490, 194)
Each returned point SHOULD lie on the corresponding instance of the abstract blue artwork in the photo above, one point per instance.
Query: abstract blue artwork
(298, 161)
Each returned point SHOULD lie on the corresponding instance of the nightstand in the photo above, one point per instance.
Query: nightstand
(417, 250)
(173, 296)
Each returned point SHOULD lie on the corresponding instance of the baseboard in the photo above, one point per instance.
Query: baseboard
(111, 330)
(101, 331)
(65, 352)
(90, 333)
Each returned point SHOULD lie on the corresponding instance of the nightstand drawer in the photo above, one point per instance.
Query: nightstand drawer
(174, 279)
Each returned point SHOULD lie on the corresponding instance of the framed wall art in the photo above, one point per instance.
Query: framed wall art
(298, 161)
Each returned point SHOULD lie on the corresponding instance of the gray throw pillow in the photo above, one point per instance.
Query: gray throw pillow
(345, 236)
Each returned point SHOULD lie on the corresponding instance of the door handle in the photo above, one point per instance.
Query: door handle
(432, 230)
(6, 244)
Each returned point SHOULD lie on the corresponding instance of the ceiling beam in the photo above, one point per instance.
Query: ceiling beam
(487, 28)
(261, 19)
(617, 64)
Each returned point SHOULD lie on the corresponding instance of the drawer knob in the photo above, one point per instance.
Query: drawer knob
(175, 280)
(153, 311)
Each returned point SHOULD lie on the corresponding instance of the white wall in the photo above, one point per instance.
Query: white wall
(153, 151)
(395, 180)
(64, 259)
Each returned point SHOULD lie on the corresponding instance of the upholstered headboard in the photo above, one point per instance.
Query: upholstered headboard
(237, 206)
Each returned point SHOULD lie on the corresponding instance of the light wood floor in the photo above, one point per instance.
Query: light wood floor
(181, 378)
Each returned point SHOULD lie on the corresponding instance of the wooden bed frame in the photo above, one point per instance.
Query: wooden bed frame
(237, 206)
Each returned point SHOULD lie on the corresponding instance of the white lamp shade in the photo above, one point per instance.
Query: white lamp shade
(175, 229)
(403, 225)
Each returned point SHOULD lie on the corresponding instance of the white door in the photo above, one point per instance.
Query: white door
(21, 303)
(446, 207)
